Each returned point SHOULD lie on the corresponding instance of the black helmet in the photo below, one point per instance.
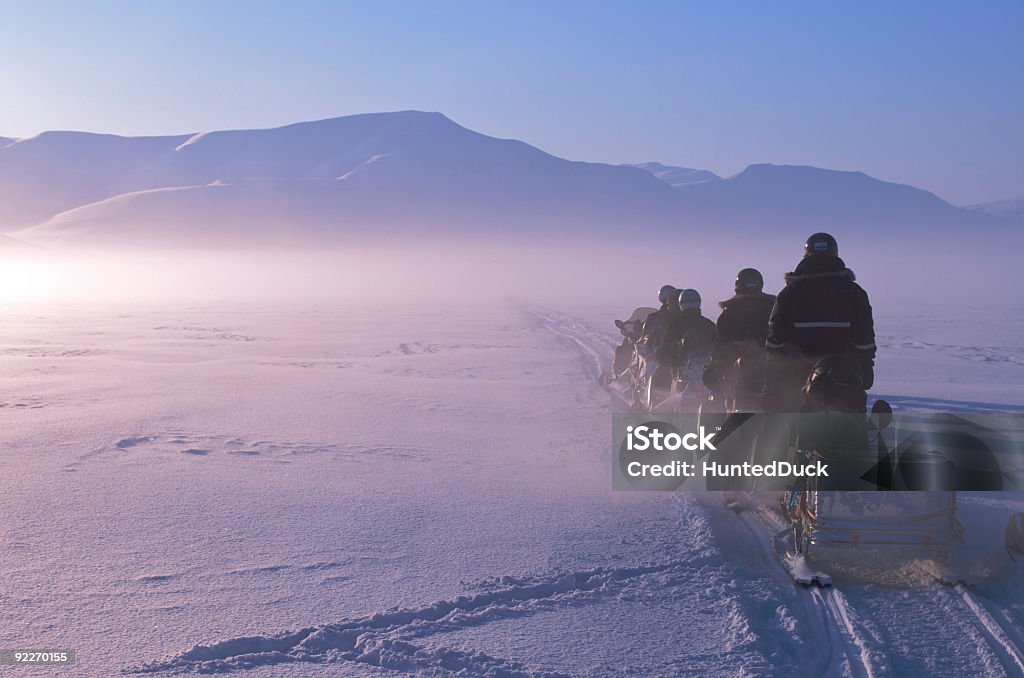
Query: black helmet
(749, 281)
(821, 243)
(667, 293)
(688, 299)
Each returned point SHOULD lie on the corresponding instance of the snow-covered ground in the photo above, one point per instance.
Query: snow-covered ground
(352, 491)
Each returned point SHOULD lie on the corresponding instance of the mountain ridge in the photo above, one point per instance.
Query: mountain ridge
(381, 174)
(1012, 208)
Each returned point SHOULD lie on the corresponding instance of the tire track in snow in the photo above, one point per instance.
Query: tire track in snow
(862, 656)
(861, 652)
(863, 649)
(592, 347)
(827, 615)
(383, 639)
(931, 630)
(1004, 637)
(808, 616)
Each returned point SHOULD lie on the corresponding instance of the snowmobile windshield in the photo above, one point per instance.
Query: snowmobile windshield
(640, 315)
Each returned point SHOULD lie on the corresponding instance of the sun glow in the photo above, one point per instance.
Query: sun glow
(26, 280)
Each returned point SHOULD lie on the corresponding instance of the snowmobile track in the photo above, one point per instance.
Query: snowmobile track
(592, 347)
(827, 614)
(860, 654)
(385, 639)
(1003, 635)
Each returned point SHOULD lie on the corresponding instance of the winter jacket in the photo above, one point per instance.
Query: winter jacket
(687, 333)
(741, 332)
(823, 311)
(743, 323)
(656, 326)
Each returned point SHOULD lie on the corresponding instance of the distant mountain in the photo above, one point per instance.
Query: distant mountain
(1012, 209)
(795, 197)
(413, 174)
(366, 173)
(55, 171)
(677, 176)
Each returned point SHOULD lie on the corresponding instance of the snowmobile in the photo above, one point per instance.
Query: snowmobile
(683, 389)
(737, 387)
(875, 529)
(841, 527)
(919, 524)
(628, 373)
(634, 367)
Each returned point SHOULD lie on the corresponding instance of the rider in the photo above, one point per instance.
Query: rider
(820, 312)
(685, 332)
(737, 362)
(653, 331)
(631, 334)
(688, 332)
(655, 335)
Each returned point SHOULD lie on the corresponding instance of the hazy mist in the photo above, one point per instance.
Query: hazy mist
(557, 271)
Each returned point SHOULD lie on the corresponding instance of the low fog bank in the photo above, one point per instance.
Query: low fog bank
(564, 273)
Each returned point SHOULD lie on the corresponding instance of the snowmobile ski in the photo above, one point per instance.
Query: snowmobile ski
(804, 574)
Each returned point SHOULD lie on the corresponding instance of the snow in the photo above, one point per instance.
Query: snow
(321, 490)
(677, 176)
(194, 139)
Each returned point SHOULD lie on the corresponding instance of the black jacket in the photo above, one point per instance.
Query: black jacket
(657, 323)
(744, 318)
(688, 332)
(742, 329)
(823, 311)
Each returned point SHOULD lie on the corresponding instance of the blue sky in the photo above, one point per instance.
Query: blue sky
(927, 93)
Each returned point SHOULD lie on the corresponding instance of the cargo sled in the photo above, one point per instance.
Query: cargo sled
(921, 523)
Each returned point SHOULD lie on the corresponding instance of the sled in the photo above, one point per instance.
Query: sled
(923, 523)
